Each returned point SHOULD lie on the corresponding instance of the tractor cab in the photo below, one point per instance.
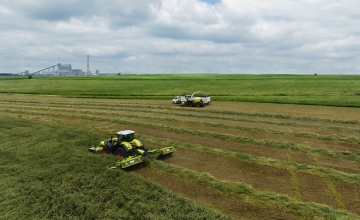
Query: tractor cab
(128, 136)
(125, 136)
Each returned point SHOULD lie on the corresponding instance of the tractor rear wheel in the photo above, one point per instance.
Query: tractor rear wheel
(120, 152)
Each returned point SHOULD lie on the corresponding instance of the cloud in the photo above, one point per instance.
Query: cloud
(176, 36)
(50, 10)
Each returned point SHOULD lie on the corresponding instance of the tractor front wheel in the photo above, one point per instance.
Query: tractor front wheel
(120, 152)
(105, 150)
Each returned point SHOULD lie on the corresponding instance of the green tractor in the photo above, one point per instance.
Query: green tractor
(130, 150)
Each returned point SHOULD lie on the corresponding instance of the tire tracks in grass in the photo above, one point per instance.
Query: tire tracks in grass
(332, 189)
(294, 181)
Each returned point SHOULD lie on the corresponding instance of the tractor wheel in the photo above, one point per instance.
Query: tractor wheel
(106, 150)
(198, 104)
(120, 152)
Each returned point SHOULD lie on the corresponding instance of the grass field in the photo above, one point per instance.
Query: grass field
(294, 89)
(233, 160)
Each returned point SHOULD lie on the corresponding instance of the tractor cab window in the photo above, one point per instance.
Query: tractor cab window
(131, 137)
(121, 137)
(127, 137)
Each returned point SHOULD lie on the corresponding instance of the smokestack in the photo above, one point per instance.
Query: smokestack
(87, 73)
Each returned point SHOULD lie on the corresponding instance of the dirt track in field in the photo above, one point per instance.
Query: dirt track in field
(331, 128)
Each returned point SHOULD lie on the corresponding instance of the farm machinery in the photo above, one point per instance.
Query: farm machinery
(129, 150)
(194, 100)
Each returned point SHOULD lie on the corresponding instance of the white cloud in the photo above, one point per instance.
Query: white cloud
(176, 36)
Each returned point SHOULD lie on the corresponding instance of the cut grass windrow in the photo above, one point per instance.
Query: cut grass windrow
(280, 116)
(214, 135)
(246, 192)
(288, 165)
(139, 108)
(204, 111)
(153, 108)
(323, 172)
(351, 139)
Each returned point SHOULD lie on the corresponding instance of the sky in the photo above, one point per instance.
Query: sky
(182, 36)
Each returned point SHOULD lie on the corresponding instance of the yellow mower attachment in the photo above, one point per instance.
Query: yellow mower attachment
(96, 150)
(151, 154)
(167, 150)
(127, 162)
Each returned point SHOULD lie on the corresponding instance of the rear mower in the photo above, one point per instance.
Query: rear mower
(130, 151)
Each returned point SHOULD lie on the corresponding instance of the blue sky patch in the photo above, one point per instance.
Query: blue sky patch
(213, 2)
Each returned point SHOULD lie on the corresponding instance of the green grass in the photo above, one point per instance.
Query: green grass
(46, 172)
(334, 90)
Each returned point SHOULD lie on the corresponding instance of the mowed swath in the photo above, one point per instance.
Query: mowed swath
(268, 147)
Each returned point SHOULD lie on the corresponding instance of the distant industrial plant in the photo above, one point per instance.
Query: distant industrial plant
(63, 70)
(58, 70)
